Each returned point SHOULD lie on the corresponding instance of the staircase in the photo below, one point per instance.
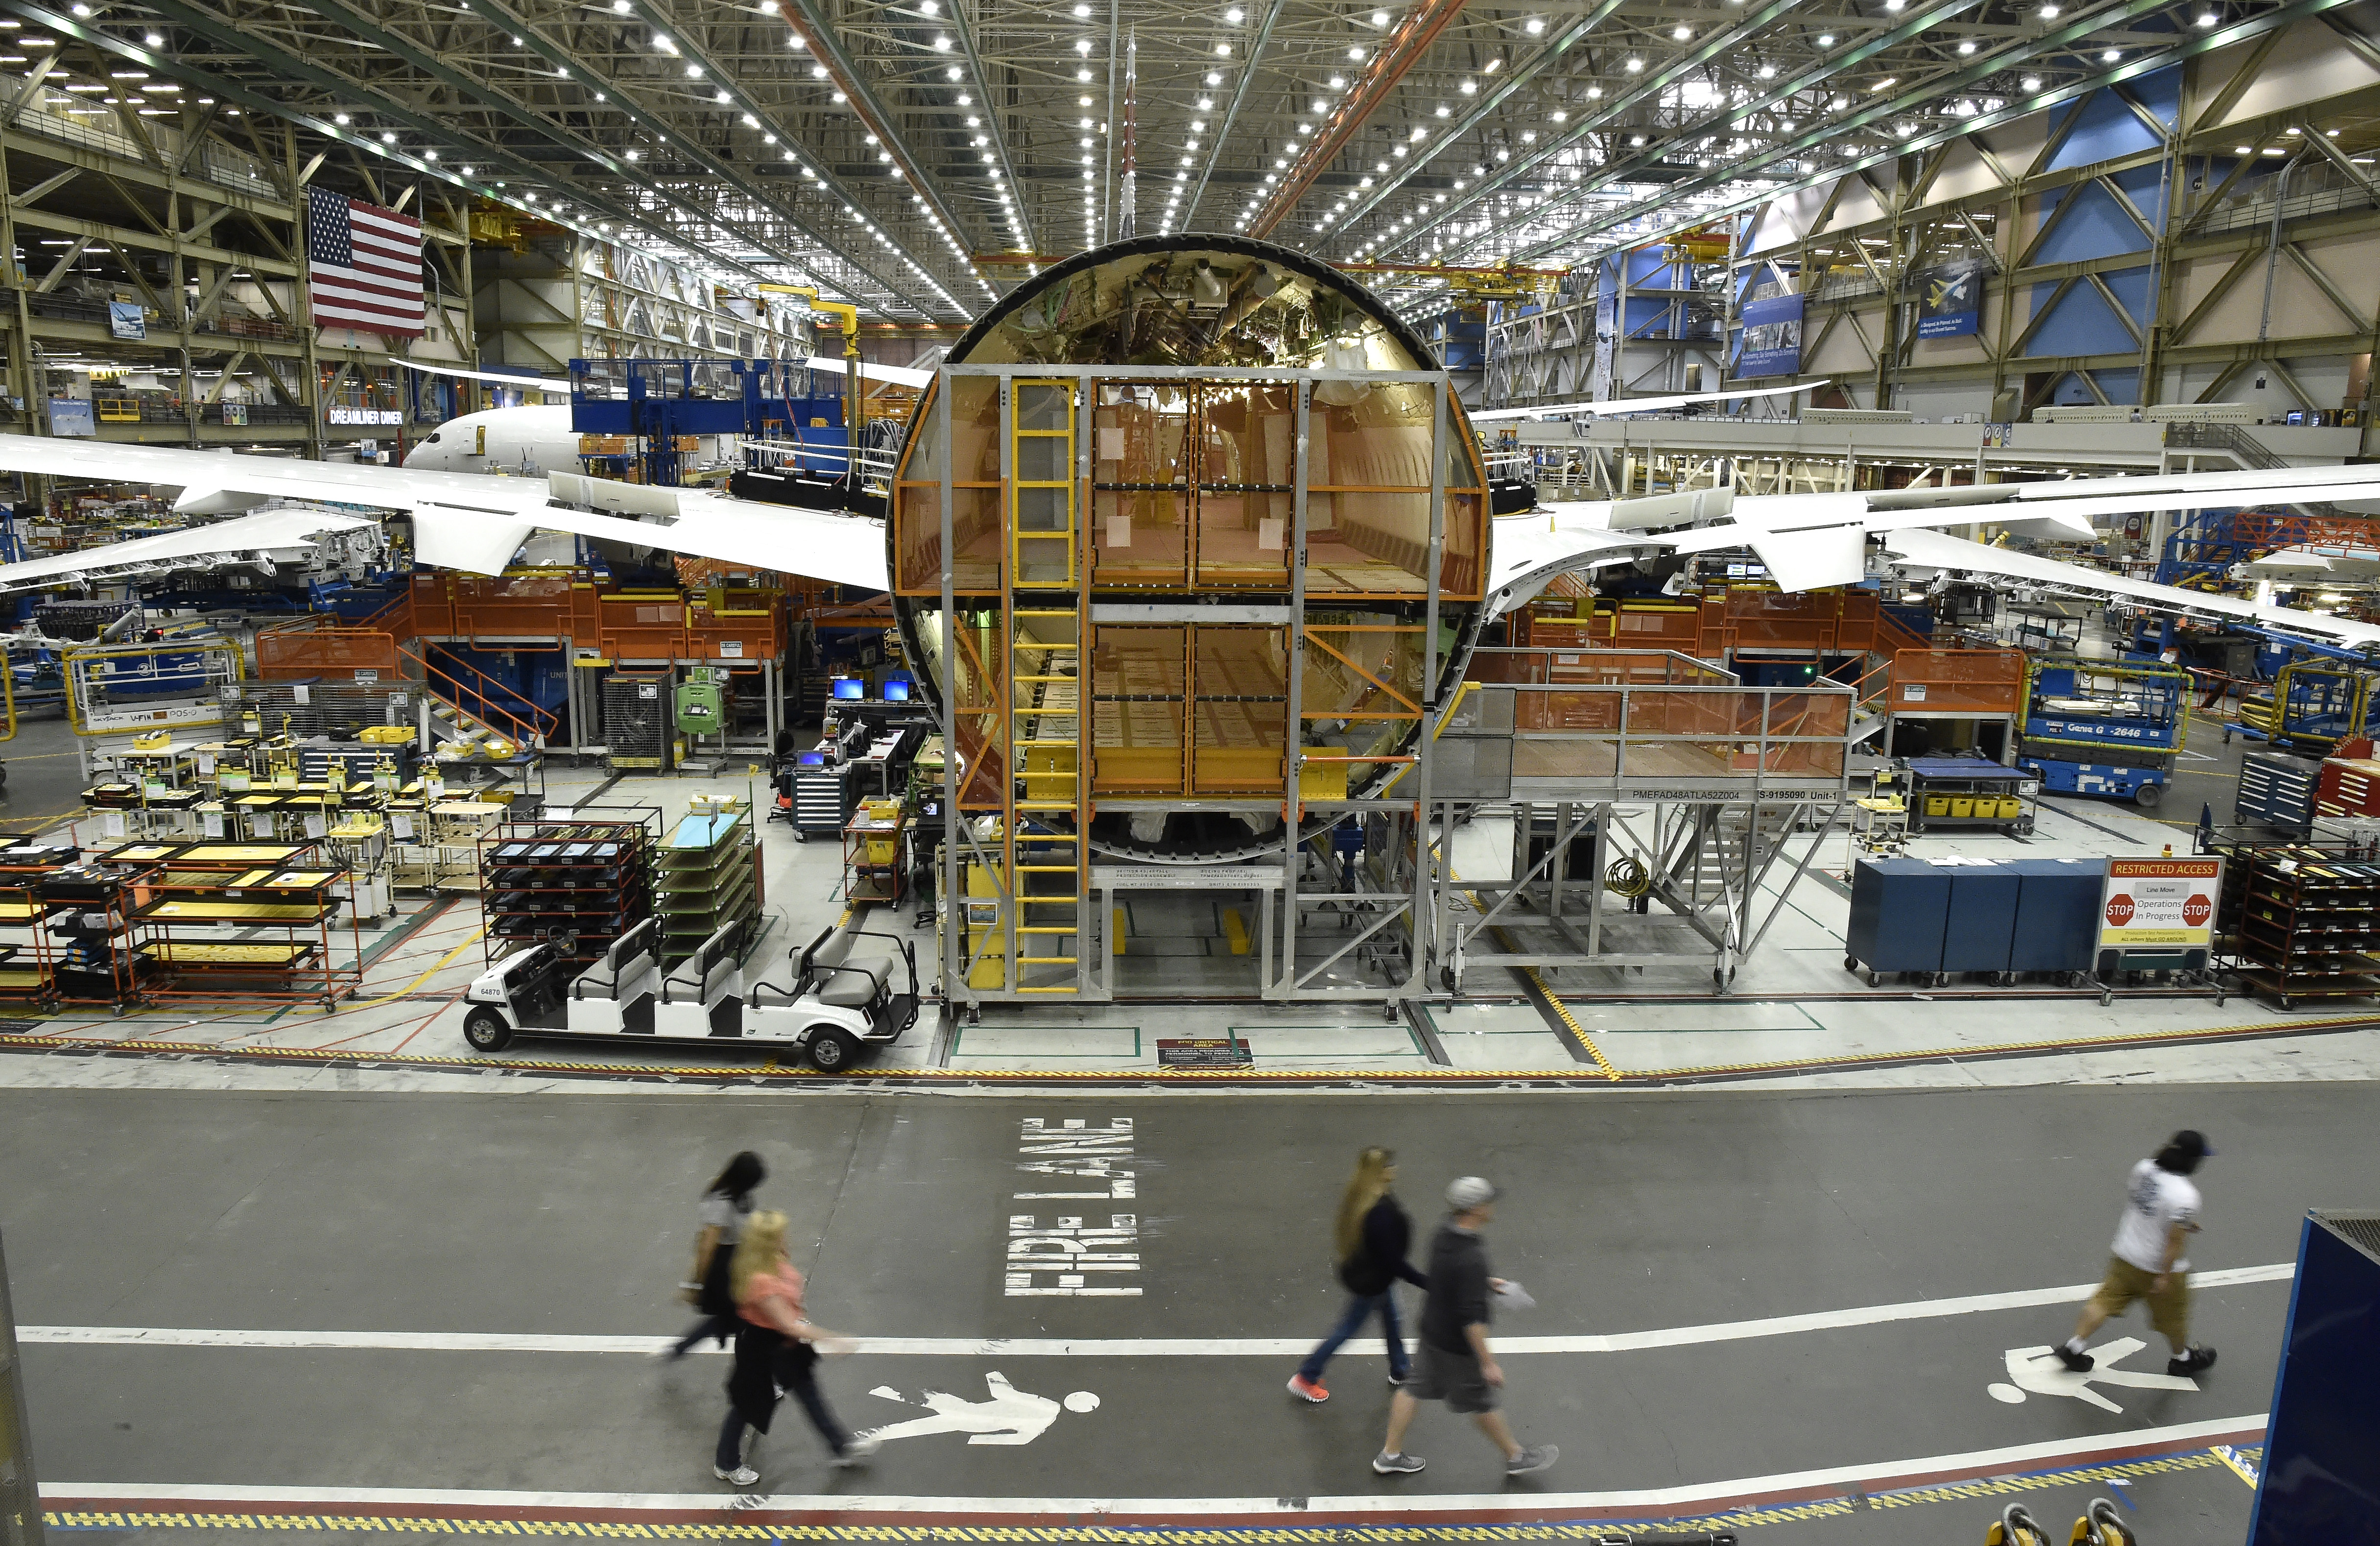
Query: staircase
(467, 706)
(1714, 869)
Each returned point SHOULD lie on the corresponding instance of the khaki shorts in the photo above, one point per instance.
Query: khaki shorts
(2168, 1311)
(1454, 1378)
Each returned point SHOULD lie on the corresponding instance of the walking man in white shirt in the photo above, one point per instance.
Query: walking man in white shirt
(2147, 1261)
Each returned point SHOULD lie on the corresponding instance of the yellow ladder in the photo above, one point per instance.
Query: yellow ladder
(1045, 548)
(1049, 871)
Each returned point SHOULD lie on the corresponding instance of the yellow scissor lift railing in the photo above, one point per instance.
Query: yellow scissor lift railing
(1049, 874)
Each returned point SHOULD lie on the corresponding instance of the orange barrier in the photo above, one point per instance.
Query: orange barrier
(1957, 681)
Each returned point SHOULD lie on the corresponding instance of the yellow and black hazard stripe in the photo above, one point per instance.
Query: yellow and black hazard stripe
(1424, 1533)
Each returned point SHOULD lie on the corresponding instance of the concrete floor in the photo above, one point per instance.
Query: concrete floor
(416, 1224)
(440, 1270)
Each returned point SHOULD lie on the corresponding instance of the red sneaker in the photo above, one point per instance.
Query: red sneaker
(1308, 1390)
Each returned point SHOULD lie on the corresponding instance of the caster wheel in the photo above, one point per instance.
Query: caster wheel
(1849, 964)
(2106, 998)
(2218, 1001)
(1446, 978)
(2288, 1003)
(1875, 980)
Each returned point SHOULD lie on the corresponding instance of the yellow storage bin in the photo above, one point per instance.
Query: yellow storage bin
(1962, 807)
(1938, 805)
(2011, 808)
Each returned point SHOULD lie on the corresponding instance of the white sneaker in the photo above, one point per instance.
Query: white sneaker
(858, 1451)
(742, 1476)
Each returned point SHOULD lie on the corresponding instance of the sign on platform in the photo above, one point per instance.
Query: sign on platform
(2159, 903)
(1205, 1052)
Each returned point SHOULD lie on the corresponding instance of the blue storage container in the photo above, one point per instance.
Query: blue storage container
(1900, 907)
(1981, 917)
(2056, 914)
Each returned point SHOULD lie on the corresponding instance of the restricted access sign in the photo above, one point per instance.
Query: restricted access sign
(2159, 903)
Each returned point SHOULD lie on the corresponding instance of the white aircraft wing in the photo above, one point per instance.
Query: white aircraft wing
(1617, 404)
(899, 375)
(272, 537)
(1933, 550)
(476, 521)
(818, 544)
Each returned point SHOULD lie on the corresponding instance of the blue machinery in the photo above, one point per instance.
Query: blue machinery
(658, 405)
(2102, 727)
(2318, 703)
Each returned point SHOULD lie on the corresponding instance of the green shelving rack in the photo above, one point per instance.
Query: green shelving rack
(709, 877)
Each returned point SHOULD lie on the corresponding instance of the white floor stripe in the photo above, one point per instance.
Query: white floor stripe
(2048, 1455)
(1115, 1347)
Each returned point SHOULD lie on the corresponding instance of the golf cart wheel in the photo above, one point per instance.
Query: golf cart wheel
(486, 1031)
(830, 1049)
(2147, 795)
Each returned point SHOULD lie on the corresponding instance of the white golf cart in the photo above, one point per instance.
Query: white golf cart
(843, 995)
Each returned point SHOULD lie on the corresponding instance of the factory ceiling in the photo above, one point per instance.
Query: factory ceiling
(923, 156)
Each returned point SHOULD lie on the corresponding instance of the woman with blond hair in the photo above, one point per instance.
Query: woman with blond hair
(777, 1349)
(1370, 1236)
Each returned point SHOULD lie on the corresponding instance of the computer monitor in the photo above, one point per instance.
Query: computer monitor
(849, 690)
(811, 760)
(896, 689)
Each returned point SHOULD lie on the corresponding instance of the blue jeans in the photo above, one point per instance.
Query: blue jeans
(1360, 1308)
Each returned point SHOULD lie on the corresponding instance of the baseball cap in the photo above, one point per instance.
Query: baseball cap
(1467, 1192)
(2192, 1141)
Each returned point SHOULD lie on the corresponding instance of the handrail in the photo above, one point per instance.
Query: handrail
(1883, 690)
(538, 724)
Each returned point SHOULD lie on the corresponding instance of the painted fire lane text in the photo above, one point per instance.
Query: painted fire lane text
(1071, 1257)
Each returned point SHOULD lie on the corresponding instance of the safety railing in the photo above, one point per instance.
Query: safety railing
(1657, 725)
(1929, 681)
(319, 644)
(473, 692)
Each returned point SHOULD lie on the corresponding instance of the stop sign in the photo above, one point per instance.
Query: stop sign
(2197, 909)
(2119, 909)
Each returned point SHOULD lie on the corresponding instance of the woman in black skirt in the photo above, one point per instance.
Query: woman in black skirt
(726, 1206)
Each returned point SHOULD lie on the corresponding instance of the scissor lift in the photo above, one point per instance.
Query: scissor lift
(2109, 728)
(2318, 703)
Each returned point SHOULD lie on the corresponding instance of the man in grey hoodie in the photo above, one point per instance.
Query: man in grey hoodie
(1455, 1364)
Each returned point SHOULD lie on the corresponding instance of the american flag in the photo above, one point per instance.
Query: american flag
(365, 264)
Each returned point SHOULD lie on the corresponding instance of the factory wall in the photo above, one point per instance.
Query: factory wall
(2126, 242)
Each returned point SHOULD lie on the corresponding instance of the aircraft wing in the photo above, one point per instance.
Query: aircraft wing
(899, 375)
(476, 521)
(271, 537)
(1935, 550)
(818, 545)
(1619, 405)
(382, 488)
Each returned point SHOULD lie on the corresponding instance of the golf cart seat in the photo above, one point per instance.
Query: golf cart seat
(847, 970)
(623, 967)
(709, 970)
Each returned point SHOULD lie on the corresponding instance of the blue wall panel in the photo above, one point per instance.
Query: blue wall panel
(2135, 287)
(2159, 92)
(2080, 323)
(2095, 227)
(2108, 130)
